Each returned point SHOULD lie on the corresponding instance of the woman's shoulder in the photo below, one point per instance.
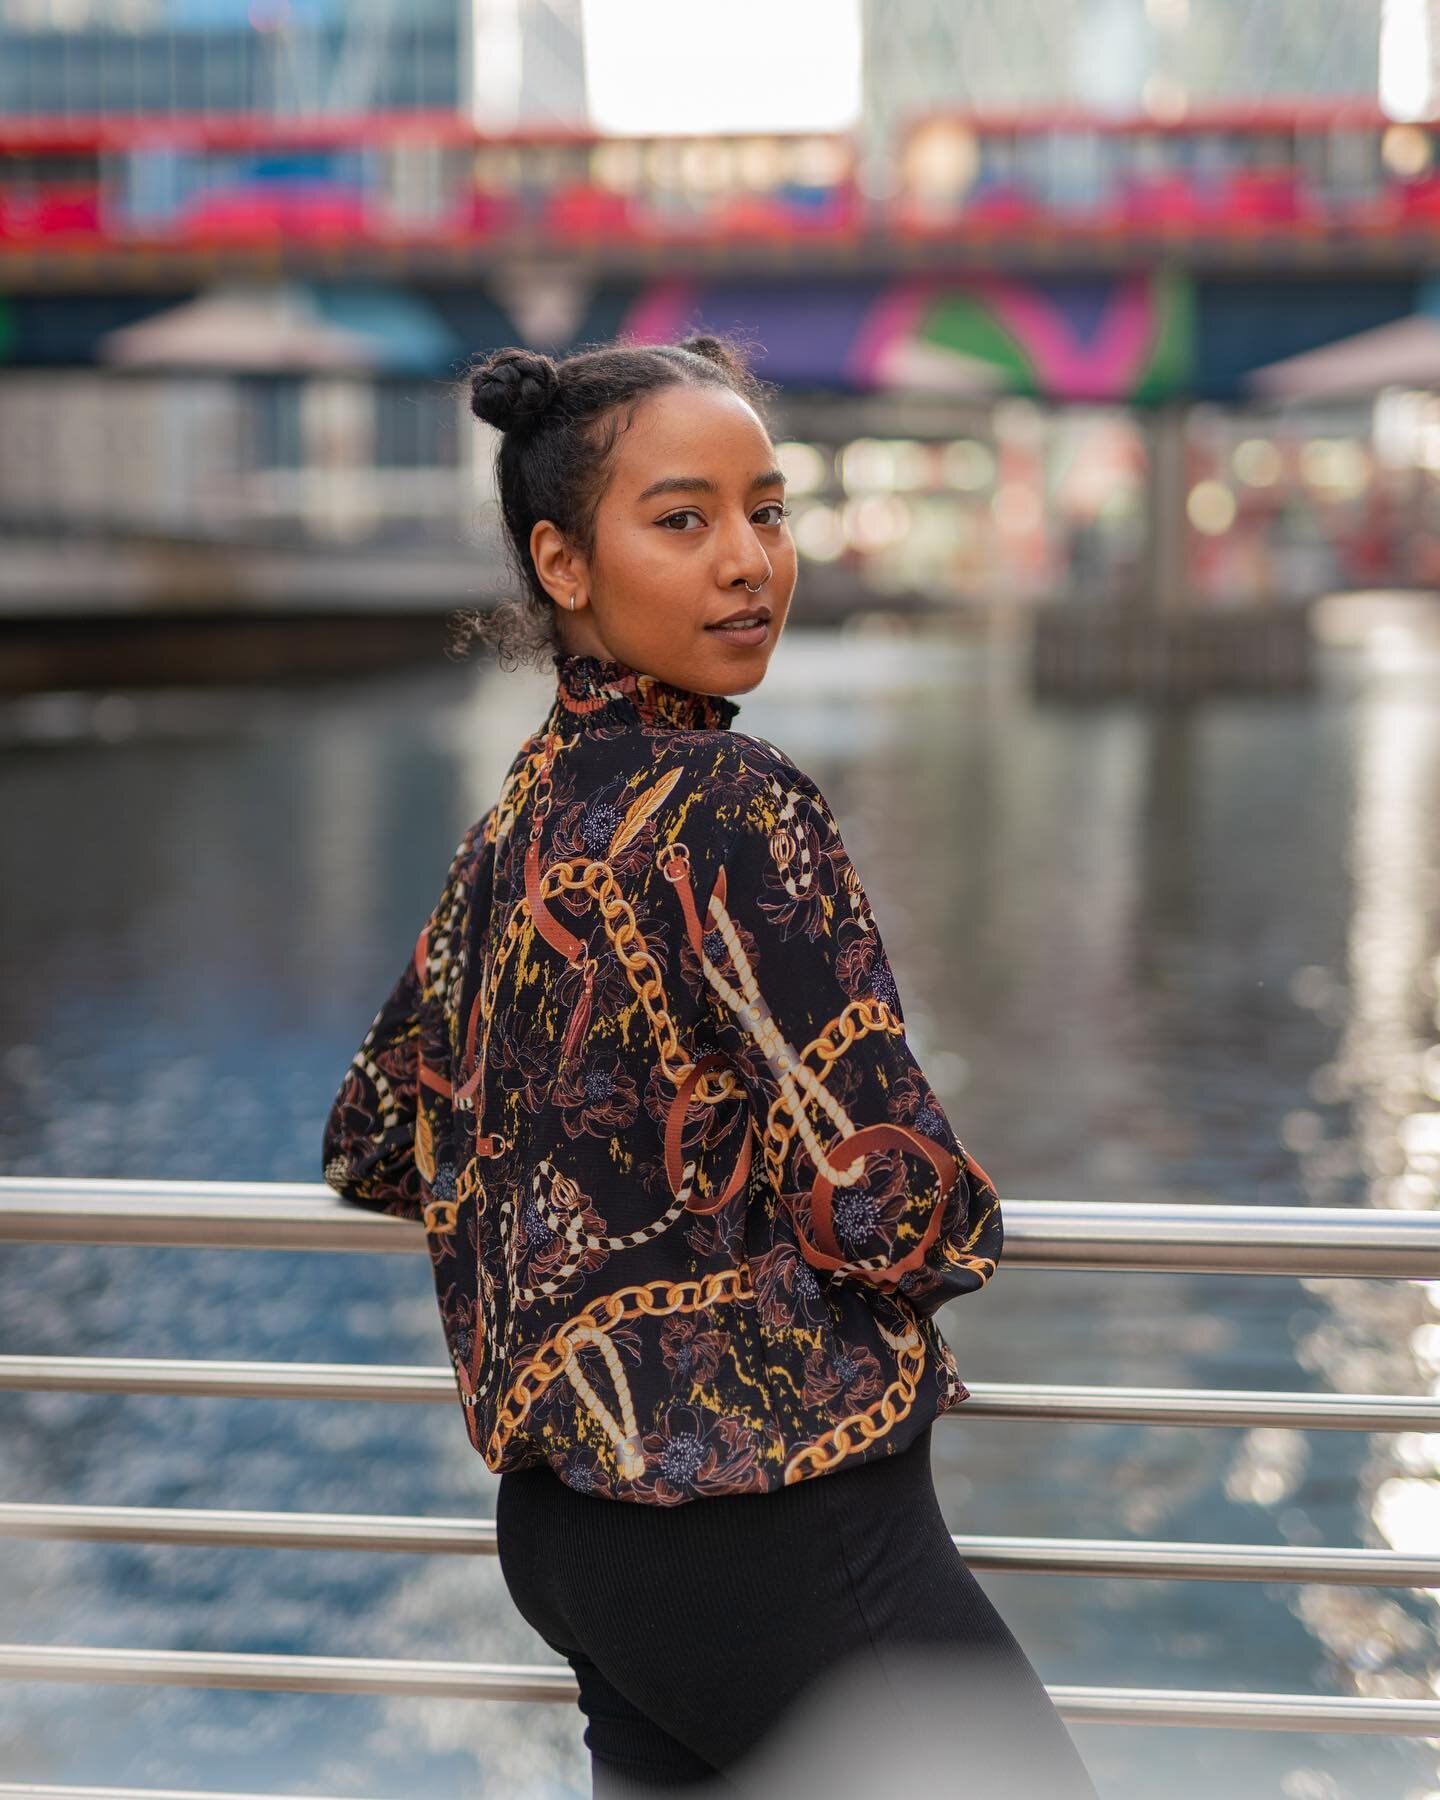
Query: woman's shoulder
(776, 769)
(746, 786)
(724, 784)
(704, 758)
(728, 754)
(745, 757)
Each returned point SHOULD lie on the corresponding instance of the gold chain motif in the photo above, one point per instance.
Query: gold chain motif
(867, 1427)
(555, 1357)
(791, 1070)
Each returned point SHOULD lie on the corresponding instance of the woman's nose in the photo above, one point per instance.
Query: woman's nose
(746, 553)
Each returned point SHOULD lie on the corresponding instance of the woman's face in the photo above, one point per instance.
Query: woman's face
(694, 510)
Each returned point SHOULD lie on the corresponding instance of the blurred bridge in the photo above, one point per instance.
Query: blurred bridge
(290, 301)
(1325, 183)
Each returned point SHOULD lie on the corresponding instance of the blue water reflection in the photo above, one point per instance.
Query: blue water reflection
(1145, 953)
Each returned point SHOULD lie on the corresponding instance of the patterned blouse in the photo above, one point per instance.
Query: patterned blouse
(690, 1202)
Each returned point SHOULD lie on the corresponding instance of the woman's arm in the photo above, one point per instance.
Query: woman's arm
(378, 1120)
(855, 1141)
(369, 1148)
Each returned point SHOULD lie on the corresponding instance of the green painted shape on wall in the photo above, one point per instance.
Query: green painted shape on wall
(960, 322)
(1170, 370)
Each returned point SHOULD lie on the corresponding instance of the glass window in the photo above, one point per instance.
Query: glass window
(277, 439)
(415, 426)
(83, 86)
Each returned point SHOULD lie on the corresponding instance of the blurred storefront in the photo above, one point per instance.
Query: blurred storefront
(968, 441)
(990, 505)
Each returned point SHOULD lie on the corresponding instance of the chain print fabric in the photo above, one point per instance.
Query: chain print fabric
(690, 1201)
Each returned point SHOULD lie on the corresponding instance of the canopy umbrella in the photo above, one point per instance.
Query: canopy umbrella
(286, 328)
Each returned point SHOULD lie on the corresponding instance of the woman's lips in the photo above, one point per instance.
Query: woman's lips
(742, 634)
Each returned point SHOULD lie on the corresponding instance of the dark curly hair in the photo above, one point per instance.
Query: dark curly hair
(561, 421)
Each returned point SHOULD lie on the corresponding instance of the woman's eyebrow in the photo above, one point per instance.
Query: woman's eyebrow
(699, 484)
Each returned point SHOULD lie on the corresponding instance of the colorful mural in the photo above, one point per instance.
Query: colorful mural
(1123, 337)
(1135, 337)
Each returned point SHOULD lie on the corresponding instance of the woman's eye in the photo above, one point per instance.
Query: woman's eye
(781, 510)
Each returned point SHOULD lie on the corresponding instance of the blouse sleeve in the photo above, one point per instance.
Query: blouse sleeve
(855, 1142)
(370, 1137)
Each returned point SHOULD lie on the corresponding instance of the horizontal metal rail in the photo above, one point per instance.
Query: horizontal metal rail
(1050, 1234)
(515, 1681)
(1148, 1558)
(1103, 1235)
(38, 1790)
(1062, 1402)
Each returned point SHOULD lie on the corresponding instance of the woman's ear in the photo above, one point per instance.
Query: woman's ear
(561, 572)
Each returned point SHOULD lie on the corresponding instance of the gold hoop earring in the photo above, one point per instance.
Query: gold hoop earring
(572, 603)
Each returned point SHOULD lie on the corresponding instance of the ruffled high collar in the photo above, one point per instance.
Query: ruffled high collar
(603, 690)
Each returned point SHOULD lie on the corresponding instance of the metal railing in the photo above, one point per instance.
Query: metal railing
(1231, 1240)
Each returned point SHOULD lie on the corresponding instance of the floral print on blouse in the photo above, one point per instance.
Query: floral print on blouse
(691, 1203)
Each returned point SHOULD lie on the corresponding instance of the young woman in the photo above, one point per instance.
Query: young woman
(691, 1203)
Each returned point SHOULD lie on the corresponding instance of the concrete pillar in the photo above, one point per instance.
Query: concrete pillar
(1167, 586)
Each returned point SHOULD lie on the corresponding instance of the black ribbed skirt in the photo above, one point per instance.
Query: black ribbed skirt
(815, 1640)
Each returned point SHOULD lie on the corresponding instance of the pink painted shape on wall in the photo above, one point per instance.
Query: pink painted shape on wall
(1108, 363)
(896, 315)
(659, 314)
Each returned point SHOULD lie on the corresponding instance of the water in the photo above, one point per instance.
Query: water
(1146, 953)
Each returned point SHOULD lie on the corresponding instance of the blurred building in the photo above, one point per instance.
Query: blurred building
(1121, 56)
(1065, 277)
(529, 63)
(514, 61)
(79, 58)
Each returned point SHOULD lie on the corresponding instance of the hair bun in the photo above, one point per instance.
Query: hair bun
(513, 388)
